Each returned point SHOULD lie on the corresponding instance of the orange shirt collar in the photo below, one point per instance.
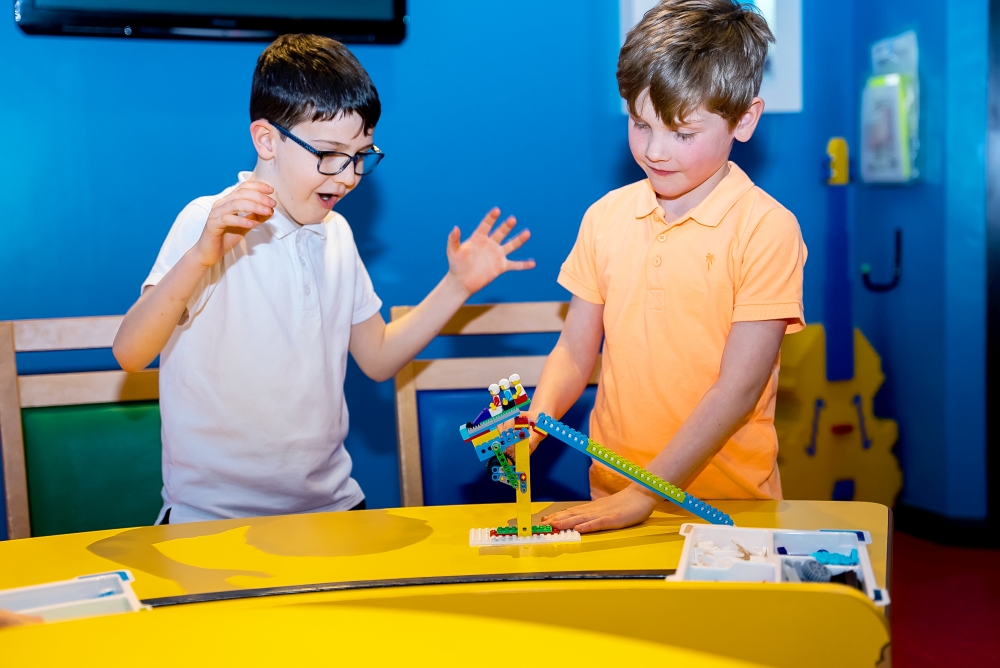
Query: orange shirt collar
(712, 209)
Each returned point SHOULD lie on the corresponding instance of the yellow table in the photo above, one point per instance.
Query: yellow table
(404, 583)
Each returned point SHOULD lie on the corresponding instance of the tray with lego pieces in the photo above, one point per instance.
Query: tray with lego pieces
(86, 596)
(730, 554)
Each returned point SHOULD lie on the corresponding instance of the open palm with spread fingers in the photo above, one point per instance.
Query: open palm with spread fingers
(483, 256)
(622, 509)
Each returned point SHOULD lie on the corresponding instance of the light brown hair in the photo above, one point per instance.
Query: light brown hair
(695, 53)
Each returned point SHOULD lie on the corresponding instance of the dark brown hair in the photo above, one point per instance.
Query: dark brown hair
(695, 53)
(311, 78)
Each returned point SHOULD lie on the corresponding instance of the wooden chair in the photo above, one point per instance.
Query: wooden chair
(467, 373)
(59, 389)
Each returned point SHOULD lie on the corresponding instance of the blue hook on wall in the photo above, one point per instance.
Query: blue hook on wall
(897, 269)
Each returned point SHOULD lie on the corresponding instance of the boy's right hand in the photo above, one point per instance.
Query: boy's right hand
(226, 227)
(534, 438)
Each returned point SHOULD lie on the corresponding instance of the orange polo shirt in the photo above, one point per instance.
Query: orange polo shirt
(671, 293)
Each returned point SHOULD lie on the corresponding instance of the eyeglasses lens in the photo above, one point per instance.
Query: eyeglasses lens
(333, 164)
(365, 163)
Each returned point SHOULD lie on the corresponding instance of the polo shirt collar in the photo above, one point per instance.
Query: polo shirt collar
(281, 226)
(645, 203)
(713, 208)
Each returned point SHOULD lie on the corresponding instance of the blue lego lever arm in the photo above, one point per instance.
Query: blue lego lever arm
(571, 437)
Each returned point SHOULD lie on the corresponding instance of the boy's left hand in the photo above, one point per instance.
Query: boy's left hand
(483, 256)
(8, 618)
(622, 509)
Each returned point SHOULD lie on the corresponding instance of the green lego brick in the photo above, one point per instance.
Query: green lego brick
(512, 531)
(508, 470)
(634, 471)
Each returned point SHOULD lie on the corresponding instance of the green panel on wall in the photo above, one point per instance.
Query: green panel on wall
(92, 467)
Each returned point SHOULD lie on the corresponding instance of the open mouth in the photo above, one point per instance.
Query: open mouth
(328, 199)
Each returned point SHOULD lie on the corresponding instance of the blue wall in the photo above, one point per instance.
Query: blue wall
(931, 331)
(513, 106)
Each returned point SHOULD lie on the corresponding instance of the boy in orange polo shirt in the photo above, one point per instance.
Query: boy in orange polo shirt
(691, 277)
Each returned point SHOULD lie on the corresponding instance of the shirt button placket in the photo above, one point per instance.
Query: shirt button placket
(300, 241)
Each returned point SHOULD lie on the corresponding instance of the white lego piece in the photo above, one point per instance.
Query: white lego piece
(482, 538)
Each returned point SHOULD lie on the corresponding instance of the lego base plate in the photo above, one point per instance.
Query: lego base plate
(482, 538)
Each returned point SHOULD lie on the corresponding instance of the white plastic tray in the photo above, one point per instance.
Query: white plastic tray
(86, 596)
(796, 544)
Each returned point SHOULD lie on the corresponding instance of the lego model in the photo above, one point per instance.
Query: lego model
(507, 399)
(576, 440)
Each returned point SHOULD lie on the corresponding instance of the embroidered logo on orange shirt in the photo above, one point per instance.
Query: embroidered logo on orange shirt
(709, 259)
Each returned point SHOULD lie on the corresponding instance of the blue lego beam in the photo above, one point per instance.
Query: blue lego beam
(576, 440)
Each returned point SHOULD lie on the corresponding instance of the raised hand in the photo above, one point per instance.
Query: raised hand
(226, 227)
(483, 256)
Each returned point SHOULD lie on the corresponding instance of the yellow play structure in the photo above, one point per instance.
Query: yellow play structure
(831, 445)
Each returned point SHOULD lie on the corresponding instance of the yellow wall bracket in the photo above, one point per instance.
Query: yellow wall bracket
(836, 148)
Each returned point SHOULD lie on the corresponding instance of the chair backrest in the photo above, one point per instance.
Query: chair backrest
(50, 390)
(467, 373)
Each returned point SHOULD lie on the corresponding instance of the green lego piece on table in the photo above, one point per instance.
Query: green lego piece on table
(619, 463)
(512, 531)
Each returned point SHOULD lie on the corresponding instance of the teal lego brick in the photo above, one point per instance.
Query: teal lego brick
(568, 435)
(706, 512)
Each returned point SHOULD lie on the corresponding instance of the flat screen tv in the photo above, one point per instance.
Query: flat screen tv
(366, 21)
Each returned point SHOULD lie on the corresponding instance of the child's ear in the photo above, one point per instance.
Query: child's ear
(748, 121)
(264, 136)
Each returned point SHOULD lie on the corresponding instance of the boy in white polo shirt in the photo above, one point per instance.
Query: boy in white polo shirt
(258, 294)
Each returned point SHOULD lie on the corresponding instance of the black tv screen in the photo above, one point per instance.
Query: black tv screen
(369, 21)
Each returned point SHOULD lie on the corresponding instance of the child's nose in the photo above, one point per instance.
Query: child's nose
(656, 150)
(347, 178)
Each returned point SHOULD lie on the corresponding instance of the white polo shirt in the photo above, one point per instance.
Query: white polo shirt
(252, 384)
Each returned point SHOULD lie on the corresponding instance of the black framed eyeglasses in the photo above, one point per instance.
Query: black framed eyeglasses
(331, 163)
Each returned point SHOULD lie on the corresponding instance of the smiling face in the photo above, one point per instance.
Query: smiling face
(684, 163)
(303, 194)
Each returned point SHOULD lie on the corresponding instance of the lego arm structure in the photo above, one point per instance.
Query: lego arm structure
(576, 440)
(508, 399)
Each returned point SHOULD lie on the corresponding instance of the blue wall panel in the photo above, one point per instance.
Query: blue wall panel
(930, 331)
